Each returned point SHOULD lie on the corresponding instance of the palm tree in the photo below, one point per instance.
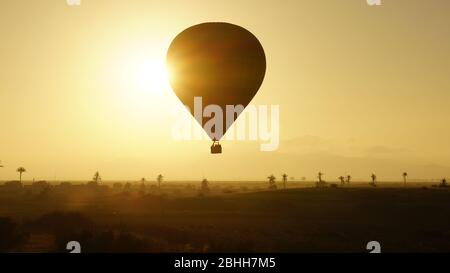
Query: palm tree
(159, 179)
(319, 175)
(21, 170)
(405, 174)
(374, 179)
(321, 182)
(96, 178)
(348, 179)
(205, 186)
(272, 184)
(342, 180)
(285, 177)
(142, 186)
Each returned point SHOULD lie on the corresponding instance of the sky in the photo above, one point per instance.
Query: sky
(360, 89)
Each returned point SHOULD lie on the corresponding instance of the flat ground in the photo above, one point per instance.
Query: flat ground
(230, 218)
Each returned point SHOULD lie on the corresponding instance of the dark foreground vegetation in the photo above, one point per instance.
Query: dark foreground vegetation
(224, 218)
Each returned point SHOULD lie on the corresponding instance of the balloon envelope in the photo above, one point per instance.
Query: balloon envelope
(222, 63)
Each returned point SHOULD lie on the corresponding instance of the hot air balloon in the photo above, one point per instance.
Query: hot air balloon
(221, 63)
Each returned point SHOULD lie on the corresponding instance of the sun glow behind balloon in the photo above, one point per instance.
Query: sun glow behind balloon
(143, 81)
(140, 85)
(151, 75)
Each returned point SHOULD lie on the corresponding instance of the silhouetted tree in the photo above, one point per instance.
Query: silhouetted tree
(205, 186)
(117, 186)
(127, 187)
(342, 179)
(272, 184)
(285, 178)
(321, 182)
(40, 186)
(348, 179)
(97, 178)
(405, 174)
(374, 180)
(159, 179)
(319, 175)
(142, 187)
(14, 186)
(1, 166)
(20, 170)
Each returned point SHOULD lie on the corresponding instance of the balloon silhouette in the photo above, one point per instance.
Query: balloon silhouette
(222, 63)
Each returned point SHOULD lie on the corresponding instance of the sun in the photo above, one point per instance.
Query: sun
(141, 72)
(151, 75)
(140, 81)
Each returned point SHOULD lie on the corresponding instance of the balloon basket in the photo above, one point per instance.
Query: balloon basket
(216, 148)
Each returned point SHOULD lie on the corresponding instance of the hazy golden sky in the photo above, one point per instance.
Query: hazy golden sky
(360, 89)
